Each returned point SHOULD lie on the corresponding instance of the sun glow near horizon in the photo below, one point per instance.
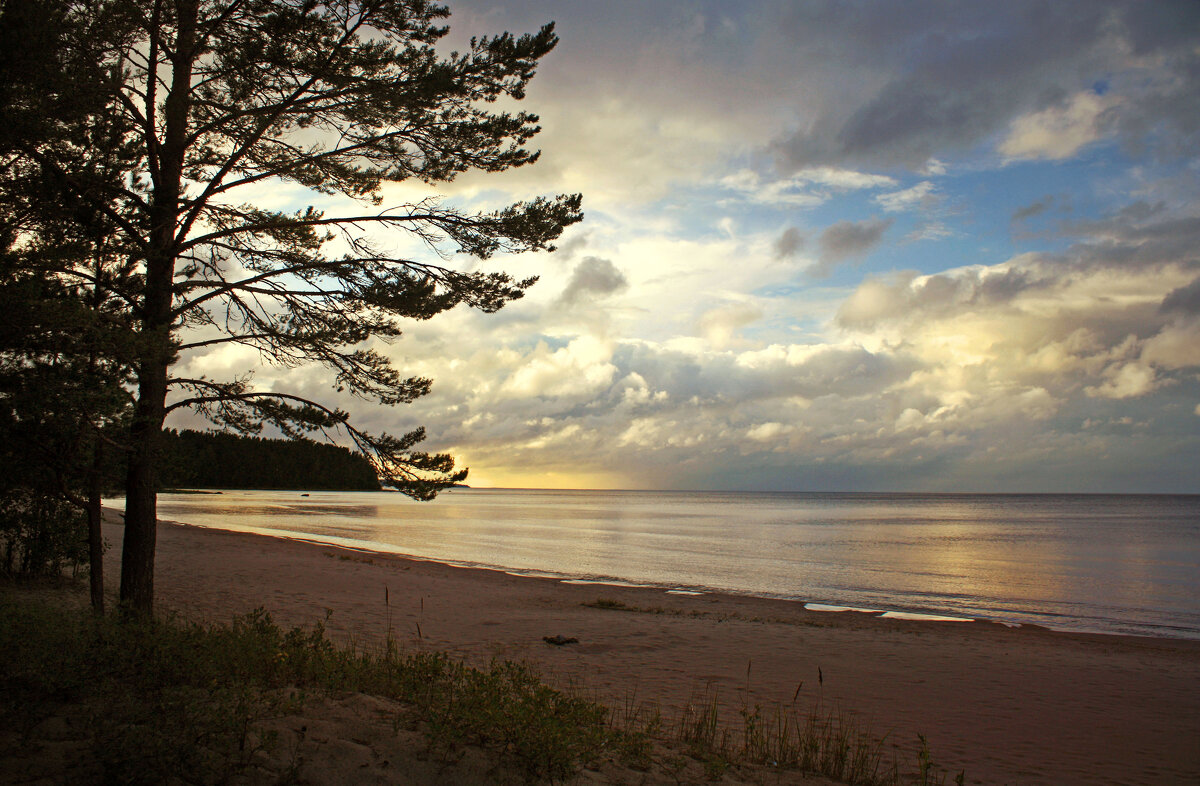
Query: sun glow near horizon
(548, 480)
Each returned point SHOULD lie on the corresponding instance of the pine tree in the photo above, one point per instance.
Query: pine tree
(204, 98)
(64, 336)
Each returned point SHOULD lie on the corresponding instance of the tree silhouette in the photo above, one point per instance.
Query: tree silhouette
(208, 98)
(65, 342)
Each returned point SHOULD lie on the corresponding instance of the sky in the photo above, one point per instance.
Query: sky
(830, 246)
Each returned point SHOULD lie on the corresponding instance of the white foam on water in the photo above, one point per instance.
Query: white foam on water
(827, 607)
(911, 615)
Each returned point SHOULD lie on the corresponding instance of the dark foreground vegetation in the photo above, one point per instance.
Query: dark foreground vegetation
(89, 699)
(161, 701)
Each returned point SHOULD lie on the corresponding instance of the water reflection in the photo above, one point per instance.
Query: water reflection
(1110, 563)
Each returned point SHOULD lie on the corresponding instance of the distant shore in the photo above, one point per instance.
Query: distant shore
(1005, 705)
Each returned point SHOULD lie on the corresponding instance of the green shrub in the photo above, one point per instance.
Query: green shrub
(40, 535)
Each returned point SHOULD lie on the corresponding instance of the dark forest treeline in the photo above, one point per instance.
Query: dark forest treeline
(193, 459)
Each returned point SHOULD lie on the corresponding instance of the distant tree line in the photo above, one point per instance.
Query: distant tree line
(210, 460)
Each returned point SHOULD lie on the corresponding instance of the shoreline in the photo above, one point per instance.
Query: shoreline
(823, 606)
(820, 607)
(1007, 705)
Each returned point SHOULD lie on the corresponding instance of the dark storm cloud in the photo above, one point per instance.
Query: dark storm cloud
(1185, 300)
(848, 239)
(935, 78)
(594, 277)
(1126, 241)
(1165, 112)
(956, 73)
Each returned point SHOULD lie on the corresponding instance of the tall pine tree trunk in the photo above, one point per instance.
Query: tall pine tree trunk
(141, 498)
(157, 350)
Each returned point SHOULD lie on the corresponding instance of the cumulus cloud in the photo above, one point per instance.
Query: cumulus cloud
(1176, 346)
(593, 277)
(846, 240)
(921, 371)
(719, 325)
(909, 297)
(1058, 131)
(1125, 381)
(973, 373)
(581, 368)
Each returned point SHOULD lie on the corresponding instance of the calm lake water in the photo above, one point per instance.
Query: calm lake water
(1103, 563)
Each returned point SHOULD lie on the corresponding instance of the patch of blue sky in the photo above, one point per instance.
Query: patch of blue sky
(787, 328)
(1088, 180)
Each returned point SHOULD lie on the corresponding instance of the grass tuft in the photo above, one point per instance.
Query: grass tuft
(815, 742)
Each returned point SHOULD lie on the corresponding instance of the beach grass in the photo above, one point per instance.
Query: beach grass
(150, 700)
(145, 701)
(831, 743)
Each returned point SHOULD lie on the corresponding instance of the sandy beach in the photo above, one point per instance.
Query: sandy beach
(1007, 705)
